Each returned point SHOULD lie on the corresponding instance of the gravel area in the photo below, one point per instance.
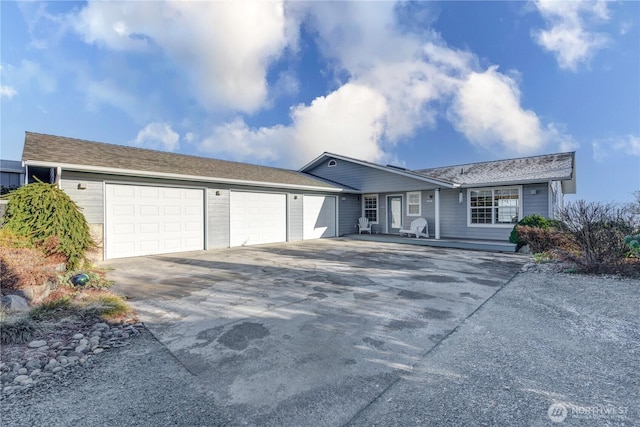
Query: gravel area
(546, 338)
(139, 384)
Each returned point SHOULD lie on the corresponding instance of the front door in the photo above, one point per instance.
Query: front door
(394, 214)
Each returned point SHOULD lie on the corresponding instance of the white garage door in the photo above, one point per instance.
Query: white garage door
(145, 220)
(257, 218)
(319, 217)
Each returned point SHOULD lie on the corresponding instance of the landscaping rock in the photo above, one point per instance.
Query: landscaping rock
(14, 302)
(37, 344)
(20, 378)
(24, 366)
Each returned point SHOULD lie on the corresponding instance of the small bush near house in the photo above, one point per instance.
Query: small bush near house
(543, 239)
(534, 221)
(49, 219)
(598, 230)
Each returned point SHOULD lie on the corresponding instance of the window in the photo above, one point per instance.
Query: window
(494, 206)
(370, 207)
(414, 205)
(332, 163)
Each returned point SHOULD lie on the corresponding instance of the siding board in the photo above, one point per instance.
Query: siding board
(91, 199)
(366, 179)
(295, 217)
(218, 227)
(349, 210)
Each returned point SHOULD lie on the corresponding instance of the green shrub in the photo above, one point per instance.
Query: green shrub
(9, 239)
(633, 243)
(533, 221)
(47, 216)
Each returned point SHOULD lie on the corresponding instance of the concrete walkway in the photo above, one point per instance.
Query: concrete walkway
(286, 334)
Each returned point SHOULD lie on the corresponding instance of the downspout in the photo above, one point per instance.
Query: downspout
(437, 208)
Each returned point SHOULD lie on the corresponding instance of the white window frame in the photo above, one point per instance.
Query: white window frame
(364, 196)
(493, 219)
(419, 203)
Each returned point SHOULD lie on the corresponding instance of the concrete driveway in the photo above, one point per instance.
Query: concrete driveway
(310, 332)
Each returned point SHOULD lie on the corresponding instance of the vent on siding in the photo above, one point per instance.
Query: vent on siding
(332, 163)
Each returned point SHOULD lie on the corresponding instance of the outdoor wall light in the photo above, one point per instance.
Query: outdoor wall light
(82, 186)
(460, 196)
(217, 192)
(295, 197)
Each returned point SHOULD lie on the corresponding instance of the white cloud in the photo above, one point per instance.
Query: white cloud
(568, 34)
(238, 142)
(628, 145)
(157, 136)
(110, 93)
(487, 111)
(224, 48)
(391, 83)
(7, 91)
(24, 76)
(348, 121)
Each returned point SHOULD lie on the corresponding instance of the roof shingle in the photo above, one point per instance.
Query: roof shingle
(547, 167)
(63, 150)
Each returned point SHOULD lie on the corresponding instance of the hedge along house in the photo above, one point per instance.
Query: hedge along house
(477, 201)
(143, 202)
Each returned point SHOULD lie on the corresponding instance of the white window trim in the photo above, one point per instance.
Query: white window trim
(520, 200)
(409, 194)
(377, 207)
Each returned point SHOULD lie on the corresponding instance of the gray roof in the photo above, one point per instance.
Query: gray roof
(549, 167)
(69, 151)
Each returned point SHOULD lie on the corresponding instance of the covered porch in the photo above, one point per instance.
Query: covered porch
(471, 244)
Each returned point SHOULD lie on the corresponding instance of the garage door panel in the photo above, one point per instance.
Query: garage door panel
(319, 217)
(143, 220)
(257, 218)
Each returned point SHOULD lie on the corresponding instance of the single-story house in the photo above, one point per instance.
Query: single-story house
(142, 202)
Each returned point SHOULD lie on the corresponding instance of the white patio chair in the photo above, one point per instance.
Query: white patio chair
(363, 225)
(418, 227)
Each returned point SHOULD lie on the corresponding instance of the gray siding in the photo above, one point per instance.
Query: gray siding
(349, 210)
(537, 203)
(366, 179)
(453, 220)
(218, 209)
(295, 216)
(90, 199)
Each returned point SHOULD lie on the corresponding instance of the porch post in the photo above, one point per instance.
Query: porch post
(437, 208)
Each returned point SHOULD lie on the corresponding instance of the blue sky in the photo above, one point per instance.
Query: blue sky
(277, 83)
